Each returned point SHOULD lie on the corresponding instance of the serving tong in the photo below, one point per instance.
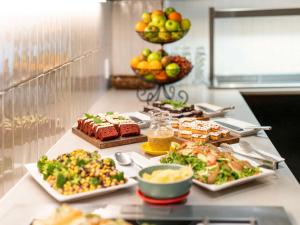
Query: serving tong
(267, 162)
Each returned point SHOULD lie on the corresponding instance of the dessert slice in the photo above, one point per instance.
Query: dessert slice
(214, 136)
(105, 131)
(124, 125)
(200, 138)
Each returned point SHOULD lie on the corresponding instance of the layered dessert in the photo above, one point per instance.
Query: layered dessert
(108, 126)
(177, 109)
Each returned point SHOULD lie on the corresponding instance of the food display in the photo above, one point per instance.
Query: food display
(80, 171)
(108, 126)
(67, 215)
(210, 165)
(159, 67)
(162, 26)
(176, 108)
(168, 175)
(198, 130)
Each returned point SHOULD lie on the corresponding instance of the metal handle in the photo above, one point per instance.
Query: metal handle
(258, 128)
(227, 108)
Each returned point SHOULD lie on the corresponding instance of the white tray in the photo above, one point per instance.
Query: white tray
(34, 172)
(218, 187)
(238, 123)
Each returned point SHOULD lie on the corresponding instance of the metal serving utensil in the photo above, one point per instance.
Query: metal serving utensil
(125, 159)
(271, 164)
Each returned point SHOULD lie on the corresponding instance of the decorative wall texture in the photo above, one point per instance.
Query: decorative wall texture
(52, 65)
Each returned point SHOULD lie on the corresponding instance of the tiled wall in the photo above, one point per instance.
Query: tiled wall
(52, 65)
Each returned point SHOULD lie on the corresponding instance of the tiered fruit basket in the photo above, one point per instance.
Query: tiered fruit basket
(158, 67)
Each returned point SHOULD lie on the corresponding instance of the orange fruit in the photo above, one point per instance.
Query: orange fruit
(175, 16)
(155, 65)
(134, 62)
(162, 76)
(142, 65)
(157, 12)
(140, 26)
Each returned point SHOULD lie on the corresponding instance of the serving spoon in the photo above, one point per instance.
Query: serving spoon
(125, 159)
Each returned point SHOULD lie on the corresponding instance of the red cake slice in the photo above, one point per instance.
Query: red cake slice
(106, 132)
(129, 129)
(87, 125)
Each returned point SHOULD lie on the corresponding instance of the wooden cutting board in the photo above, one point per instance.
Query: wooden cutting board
(111, 143)
(231, 139)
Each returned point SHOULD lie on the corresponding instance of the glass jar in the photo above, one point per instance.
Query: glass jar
(161, 133)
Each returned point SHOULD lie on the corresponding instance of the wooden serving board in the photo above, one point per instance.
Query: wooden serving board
(111, 143)
(231, 139)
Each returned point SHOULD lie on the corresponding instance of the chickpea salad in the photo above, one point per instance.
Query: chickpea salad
(80, 171)
(210, 165)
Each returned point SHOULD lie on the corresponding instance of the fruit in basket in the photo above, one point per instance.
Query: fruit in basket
(161, 76)
(157, 12)
(158, 20)
(143, 65)
(169, 10)
(146, 52)
(146, 17)
(159, 66)
(185, 65)
(172, 70)
(140, 26)
(154, 56)
(134, 62)
(164, 34)
(158, 26)
(151, 31)
(177, 35)
(185, 24)
(149, 77)
(172, 25)
(155, 65)
(175, 16)
(165, 60)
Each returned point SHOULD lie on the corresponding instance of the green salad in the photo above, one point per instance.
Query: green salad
(209, 164)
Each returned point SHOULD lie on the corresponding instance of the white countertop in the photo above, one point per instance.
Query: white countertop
(282, 189)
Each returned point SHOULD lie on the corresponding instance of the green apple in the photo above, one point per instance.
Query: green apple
(151, 32)
(169, 10)
(186, 24)
(146, 52)
(165, 61)
(154, 56)
(177, 35)
(158, 20)
(146, 17)
(149, 77)
(172, 70)
(172, 25)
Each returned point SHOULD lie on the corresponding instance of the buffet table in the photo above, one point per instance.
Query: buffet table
(281, 189)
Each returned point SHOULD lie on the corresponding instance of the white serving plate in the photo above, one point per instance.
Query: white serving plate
(34, 172)
(218, 187)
